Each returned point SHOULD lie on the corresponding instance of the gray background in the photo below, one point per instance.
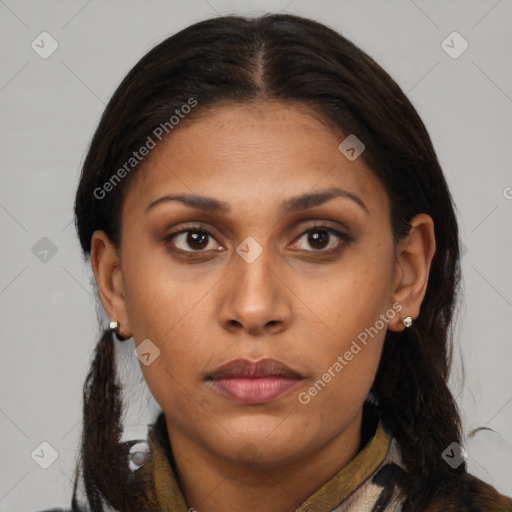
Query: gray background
(50, 108)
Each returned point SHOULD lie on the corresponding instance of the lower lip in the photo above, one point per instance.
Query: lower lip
(254, 391)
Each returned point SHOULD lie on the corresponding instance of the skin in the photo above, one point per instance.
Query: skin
(295, 302)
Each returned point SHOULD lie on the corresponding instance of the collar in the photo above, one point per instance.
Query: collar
(163, 491)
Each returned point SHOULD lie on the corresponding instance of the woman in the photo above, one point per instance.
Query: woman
(267, 220)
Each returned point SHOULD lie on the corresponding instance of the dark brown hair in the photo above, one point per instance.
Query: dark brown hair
(286, 58)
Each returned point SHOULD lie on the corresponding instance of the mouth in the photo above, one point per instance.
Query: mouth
(254, 382)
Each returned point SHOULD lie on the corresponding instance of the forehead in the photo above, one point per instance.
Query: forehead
(253, 152)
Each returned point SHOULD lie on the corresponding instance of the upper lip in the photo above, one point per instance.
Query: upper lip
(244, 368)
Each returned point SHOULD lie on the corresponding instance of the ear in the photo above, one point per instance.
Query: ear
(414, 255)
(109, 279)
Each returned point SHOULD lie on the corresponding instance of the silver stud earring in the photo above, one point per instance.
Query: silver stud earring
(407, 321)
(115, 326)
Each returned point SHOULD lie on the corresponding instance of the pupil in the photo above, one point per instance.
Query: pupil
(318, 239)
(197, 238)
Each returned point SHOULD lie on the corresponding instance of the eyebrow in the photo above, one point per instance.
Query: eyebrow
(297, 203)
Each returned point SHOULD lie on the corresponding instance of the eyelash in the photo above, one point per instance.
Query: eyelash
(320, 227)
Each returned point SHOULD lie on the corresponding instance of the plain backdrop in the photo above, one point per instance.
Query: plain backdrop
(50, 108)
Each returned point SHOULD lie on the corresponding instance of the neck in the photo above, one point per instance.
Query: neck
(211, 483)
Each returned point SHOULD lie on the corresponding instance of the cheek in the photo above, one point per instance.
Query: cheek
(160, 292)
(170, 309)
(353, 296)
(173, 378)
(354, 312)
(346, 370)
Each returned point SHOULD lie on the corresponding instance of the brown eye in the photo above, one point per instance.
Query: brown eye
(192, 240)
(197, 239)
(318, 239)
(321, 239)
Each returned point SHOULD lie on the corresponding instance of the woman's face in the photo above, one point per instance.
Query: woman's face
(280, 247)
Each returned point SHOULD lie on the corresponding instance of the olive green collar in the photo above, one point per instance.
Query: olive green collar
(347, 480)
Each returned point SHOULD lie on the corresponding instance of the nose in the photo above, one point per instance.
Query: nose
(254, 299)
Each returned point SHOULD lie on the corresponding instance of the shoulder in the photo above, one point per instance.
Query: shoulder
(486, 497)
(475, 496)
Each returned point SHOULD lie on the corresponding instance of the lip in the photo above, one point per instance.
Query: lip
(254, 382)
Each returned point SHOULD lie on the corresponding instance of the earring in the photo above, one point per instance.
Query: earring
(115, 326)
(407, 322)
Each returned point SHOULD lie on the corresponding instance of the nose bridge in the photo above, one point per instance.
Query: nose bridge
(253, 297)
(254, 276)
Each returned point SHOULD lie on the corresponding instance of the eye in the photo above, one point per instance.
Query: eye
(193, 239)
(196, 239)
(321, 239)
